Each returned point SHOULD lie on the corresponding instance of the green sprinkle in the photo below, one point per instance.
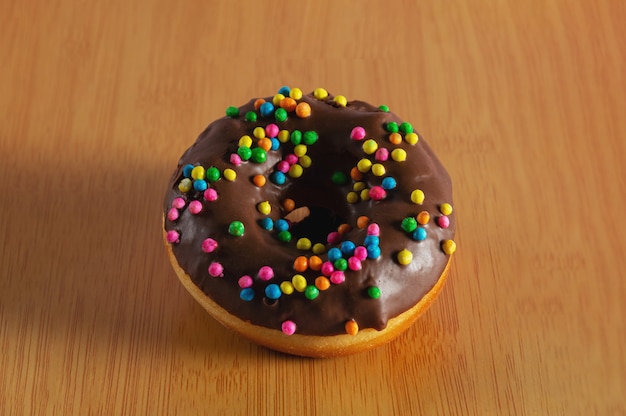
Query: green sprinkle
(213, 174)
(236, 228)
(392, 127)
(384, 108)
(339, 178)
(341, 264)
(232, 111)
(311, 292)
(406, 127)
(310, 137)
(409, 224)
(373, 292)
(244, 152)
(284, 236)
(258, 155)
(251, 116)
(280, 114)
(295, 137)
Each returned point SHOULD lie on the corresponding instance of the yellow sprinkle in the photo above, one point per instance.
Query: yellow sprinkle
(230, 175)
(370, 146)
(286, 287)
(258, 132)
(197, 172)
(245, 141)
(264, 207)
(185, 185)
(352, 197)
(448, 246)
(378, 169)
(417, 196)
(341, 100)
(295, 171)
(295, 93)
(399, 155)
(364, 165)
(300, 150)
(298, 281)
(405, 257)
(358, 186)
(352, 327)
(303, 244)
(411, 138)
(365, 194)
(305, 161)
(276, 100)
(319, 248)
(445, 208)
(283, 136)
(320, 93)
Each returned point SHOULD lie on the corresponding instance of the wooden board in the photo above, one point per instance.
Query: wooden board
(523, 101)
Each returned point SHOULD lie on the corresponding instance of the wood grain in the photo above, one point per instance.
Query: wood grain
(523, 101)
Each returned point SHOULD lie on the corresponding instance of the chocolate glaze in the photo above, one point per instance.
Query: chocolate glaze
(401, 286)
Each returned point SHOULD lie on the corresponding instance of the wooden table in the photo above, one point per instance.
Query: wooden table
(523, 101)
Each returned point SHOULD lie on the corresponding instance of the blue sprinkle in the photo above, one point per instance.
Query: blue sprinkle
(371, 240)
(273, 291)
(373, 252)
(200, 185)
(267, 223)
(187, 171)
(281, 225)
(275, 143)
(266, 109)
(247, 294)
(278, 177)
(388, 183)
(334, 254)
(347, 248)
(284, 90)
(419, 234)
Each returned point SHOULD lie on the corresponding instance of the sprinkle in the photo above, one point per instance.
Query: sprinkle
(395, 138)
(352, 197)
(178, 203)
(448, 246)
(360, 253)
(283, 136)
(271, 130)
(355, 174)
(280, 114)
(373, 252)
(258, 155)
(365, 194)
(373, 292)
(283, 166)
(303, 110)
(185, 185)
(232, 112)
(272, 291)
(371, 240)
(235, 159)
(344, 228)
(417, 196)
(275, 143)
(392, 127)
(258, 132)
(339, 178)
(289, 204)
(419, 234)
(377, 193)
(337, 277)
(311, 292)
(288, 327)
(284, 236)
(384, 108)
(370, 146)
(172, 237)
(281, 224)
(300, 150)
(216, 269)
(265, 273)
(334, 237)
(236, 228)
(266, 109)
(187, 170)
(388, 183)
(277, 99)
(286, 287)
(334, 254)
(406, 127)
(303, 244)
(284, 90)
(378, 169)
(195, 207)
(265, 143)
(319, 248)
(264, 207)
(373, 229)
(278, 178)
(247, 294)
(259, 180)
(230, 175)
(340, 100)
(445, 208)
(299, 282)
(399, 155)
(315, 263)
(423, 217)
(245, 281)
(295, 171)
(295, 93)
(327, 268)
(358, 186)
(250, 116)
(288, 103)
(364, 165)
(310, 137)
(347, 248)
(352, 327)
(210, 195)
(357, 133)
(381, 154)
(409, 224)
(405, 257)
(197, 173)
(301, 264)
(305, 161)
(295, 137)
(172, 214)
(340, 264)
(443, 221)
(291, 158)
(245, 141)
(322, 282)
(258, 102)
(320, 93)
(411, 138)
(354, 263)
(267, 223)
(362, 221)
(200, 185)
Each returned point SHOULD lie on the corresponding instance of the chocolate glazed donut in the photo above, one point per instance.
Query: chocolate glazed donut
(308, 223)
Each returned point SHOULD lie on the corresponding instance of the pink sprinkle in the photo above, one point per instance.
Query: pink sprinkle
(271, 130)
(337, 277)
(288, 327)
(373, 229)
(334, 237)
(178, 203)
(360, 253)
(235, 159)
(210, 194)
(216, 269)
(172, 237)
(282, 166)
(172, 214)
(382, 154)
(195, 207)
(291, 158)
(209, 245)
(266, 273)
(327, 268)
(245, 281)
(354, 263)
(377, 193)
(358, 133)
(443, 221)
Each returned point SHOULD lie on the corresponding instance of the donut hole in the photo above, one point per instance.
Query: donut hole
(318, 224)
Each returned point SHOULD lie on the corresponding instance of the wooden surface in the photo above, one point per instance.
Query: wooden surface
(524, 101)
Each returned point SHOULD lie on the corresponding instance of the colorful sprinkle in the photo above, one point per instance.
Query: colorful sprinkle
(295, 93)
(305, 161)
(334, 237)
(319, 248)
(230, 175)
(392, 127)
(409, 224)
(259, 180)
(245, 281)
(287, 287)
(354, 263)
(210, 195)
(200, 185)
(377, 193)
(448, 246)
(327, 268)
(213, 174)
(195, 207)
(373, 252)
(320, 93)
(178, 203)
(310, 137)
(362, 221)
(373, 292)
(373, 229)
(264, 207)
(216, 269)
(284, 236)
(352, 328)
(172, 237)
(406, 127)
(337, 277)
(278, 178)
(284, 90)
(381, 154)
(197, 173)
(232, 111)
(172, 214)
(289, 204)
(443, 221)
(251, 116)
(423, 217)
(311, 292)
(288, 327)
(303, 110)
(322, 282)
(235, 159)
(267, 223)
(340, 100)
(411, 138)
(185, 185)
(419, 234)
(258, 155)
(280, 114)
(281, 224)
(383, 108)
(272, 291)
(357, 133)
(340, 264)
(352, 197)
(295, 171)
(417, 196)
(360, 253)
(395, 138)
(399, 155)
(364, 165)
(187, 170)
(277, 99)
(378, 169)
(265, 273)
(245, 141)
(303, 244)
(315, 263)
(258, 132)
(247, 294)
(299, 282)
(370, 146)
(389, 183)
(301, 264)
(405, 257)
(271, 130)
(288, 103)
(445, 208)
(339, 178)
(236, 228)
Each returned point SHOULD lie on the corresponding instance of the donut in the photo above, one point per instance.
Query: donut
(310, 224)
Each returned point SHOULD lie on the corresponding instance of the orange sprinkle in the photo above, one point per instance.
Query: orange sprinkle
(300, 264)
(265, 143)
(259, 180)
(322, 283)
(258, 102)
(423, 217)
(395, 138)
(288, 104)
(315, 263)
(362, 221)
(303, 110)
(352, 327)
(344, 228)
(355, 174)
(289, 204)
